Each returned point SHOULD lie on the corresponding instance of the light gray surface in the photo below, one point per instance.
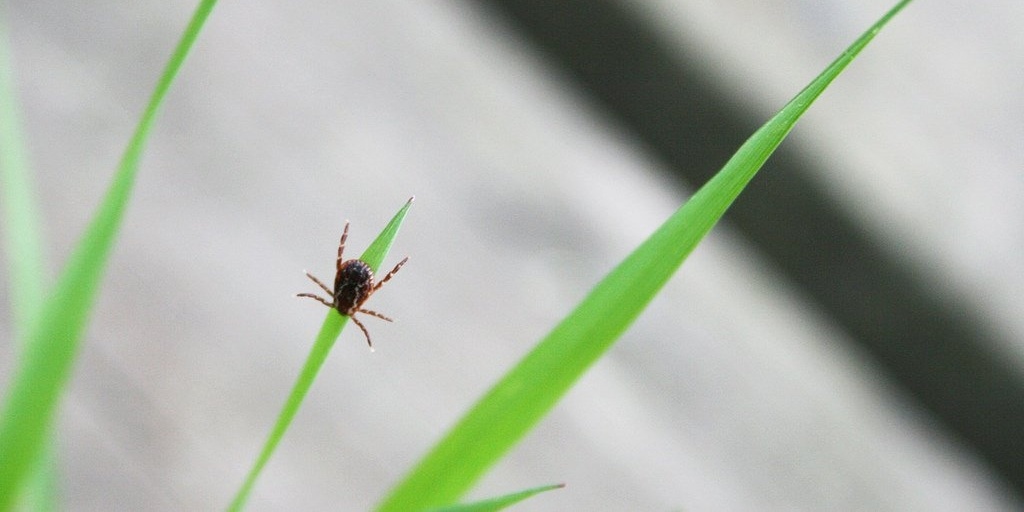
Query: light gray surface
(730, 393)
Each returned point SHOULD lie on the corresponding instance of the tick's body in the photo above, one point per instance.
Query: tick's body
(353, 285)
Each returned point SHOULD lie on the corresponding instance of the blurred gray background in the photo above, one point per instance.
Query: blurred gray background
(848, 339)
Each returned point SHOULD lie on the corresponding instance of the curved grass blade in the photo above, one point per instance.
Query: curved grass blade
(52, 340)
(329, 332)
(499, 503)
(527, 392)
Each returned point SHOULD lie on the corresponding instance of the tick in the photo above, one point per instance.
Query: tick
(353, 285)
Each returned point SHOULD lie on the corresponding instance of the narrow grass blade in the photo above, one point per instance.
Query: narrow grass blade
(499, 503)
(53, 336)
(24, 244)
(527, 392)
(22, 226)
(329, 332)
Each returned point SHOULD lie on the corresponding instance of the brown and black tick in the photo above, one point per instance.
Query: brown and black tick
(353, 285)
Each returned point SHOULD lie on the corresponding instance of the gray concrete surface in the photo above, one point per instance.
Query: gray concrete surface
(729, 393)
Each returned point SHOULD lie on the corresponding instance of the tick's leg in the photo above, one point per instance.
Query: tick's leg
(322, 286)
(341, 244)
(321, 299)
(365, 332)
(376, 314)
(388, 277)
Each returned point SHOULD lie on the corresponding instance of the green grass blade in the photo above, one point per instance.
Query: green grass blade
(527, 392)
(22, 227)
(329, 332)
(53, 337)
(499, 503)
(24, 244)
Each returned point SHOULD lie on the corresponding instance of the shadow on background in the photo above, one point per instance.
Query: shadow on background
(942, 357)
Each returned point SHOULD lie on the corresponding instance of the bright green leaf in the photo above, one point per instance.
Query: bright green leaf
(24, 245)
(527, 392)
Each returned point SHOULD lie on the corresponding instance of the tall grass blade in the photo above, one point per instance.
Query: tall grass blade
(24, 244)
(528, 391)
(22, 226)
(53, 336)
